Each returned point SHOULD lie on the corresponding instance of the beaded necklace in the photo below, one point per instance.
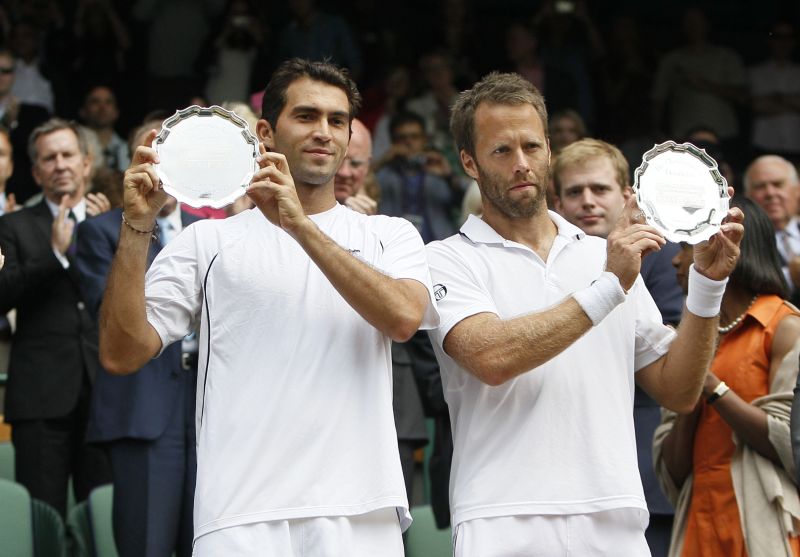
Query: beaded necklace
(733, 324)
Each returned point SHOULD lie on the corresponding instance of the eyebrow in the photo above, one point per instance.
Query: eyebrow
(316, 110)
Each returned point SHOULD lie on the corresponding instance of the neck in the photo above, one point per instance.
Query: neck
(104, 135)
(316, 199)
(72, 199)
(537, 231)
(734, 303)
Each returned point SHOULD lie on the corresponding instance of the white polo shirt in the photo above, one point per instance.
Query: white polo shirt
(558, 439)
(294, 390)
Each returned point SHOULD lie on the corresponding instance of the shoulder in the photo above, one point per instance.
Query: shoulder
(107, 219)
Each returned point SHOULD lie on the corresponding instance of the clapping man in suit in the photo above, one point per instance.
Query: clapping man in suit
(53, 353)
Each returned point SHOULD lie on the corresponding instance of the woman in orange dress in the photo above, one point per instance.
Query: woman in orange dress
(711, 459)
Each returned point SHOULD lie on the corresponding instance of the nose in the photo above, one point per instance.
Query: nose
(521, 162)
(322, 131)
(345, 171)
(60, 162)
(587, 199)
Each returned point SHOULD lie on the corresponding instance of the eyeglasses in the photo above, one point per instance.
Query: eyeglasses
(6, 71)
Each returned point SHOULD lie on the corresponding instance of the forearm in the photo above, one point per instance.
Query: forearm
(496, 350)
(392, 306)
(749, 423)
(127, 340)
(678, 447)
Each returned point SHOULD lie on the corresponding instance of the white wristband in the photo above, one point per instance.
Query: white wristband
(705, 295)
(601, 297)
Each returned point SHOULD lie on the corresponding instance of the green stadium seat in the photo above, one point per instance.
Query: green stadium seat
(423, 539)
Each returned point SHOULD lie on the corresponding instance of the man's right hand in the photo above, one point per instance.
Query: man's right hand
(629, 242)
(61, 232)
(362, 203)
(143, 196)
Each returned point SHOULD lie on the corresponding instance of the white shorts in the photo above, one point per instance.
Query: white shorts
(364, 535)
(614, 533)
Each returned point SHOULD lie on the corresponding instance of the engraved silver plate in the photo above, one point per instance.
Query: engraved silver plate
(208, 156)
(681, 192)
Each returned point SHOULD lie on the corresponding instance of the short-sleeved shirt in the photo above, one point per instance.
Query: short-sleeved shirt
(558, 439)
(294, 401)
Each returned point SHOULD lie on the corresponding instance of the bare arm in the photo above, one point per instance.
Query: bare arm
(676, 379)
(678, 447)
(395, 307)
(497, 350)
(127, 340)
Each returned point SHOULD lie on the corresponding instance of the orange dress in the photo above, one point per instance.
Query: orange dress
(742, 360)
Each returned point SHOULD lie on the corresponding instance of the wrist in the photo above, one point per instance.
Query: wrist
(601, 297)
(705, 295)
(719, 391)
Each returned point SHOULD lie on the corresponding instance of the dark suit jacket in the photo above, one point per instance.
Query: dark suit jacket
(21, 183)
(139, 405)
(52, 349)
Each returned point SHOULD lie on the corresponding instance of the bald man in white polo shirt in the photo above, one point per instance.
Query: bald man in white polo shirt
(544, 333)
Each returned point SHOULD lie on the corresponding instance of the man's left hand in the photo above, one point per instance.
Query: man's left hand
(97, 203)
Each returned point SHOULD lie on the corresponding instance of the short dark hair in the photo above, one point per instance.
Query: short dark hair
(297, 68)
(759, 267)
(53, 125)
(403, 118)
(495, 88)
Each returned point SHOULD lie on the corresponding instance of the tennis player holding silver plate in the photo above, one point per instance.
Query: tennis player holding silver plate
(208, 156)
(681, 192)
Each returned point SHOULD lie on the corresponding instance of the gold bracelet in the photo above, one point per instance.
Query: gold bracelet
(152, 231)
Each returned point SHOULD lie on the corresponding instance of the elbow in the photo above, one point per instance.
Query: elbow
(405, 327)
(682, 407)
(492, 373)
(116, 363)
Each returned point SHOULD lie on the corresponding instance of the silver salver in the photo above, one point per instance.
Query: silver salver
(207, 156)
(681, 192)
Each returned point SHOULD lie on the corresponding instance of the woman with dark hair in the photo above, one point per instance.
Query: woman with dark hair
(728, 466)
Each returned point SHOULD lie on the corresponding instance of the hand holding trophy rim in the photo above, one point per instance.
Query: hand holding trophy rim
(208, 156)
(681, 192)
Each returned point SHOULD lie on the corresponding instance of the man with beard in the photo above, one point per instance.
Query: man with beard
(297, 303)
(545, 331)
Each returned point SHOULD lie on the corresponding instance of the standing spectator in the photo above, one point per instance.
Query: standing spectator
(699, 84)
(100, 112)
(315, 35)
(771, 181)
(728, 465)
(19, 119)
(102, 41)
(146, 420)
(418, 183)
(775, 90)
(54, 349)
(30, 86)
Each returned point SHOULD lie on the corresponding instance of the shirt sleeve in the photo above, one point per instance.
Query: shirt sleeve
(173, 289)
(459, 292)
(404, 258)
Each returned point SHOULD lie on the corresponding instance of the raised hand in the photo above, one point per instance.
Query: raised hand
(717, 257)
(362, 203)
(97, 203)
(61, 232)
(142, 195)
(628, 243)
(2, 259)
(272, 190)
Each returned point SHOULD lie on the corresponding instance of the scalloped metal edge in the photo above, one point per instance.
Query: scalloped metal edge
(701, 154)
(195, 110)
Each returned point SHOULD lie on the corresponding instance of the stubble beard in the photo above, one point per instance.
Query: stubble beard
(493, 189)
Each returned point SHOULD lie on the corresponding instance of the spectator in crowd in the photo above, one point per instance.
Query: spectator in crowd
(145, 421)
(592, 183)
(100, 113)
(775, 92)
(311, 349)
(418, 183)
(30, 86)
(383, 101)
(538, 319)
(315, 35)
(234, 53)
(728, 465)
(53, 352)
(101, 42)
(352, 176)
(699, 84)
(19, 119)
(706, 138)
(566, 127)
(771, 181)
(7, 205)
(438, 75)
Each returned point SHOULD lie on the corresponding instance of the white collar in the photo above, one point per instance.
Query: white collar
(78, 210)
(479, 232)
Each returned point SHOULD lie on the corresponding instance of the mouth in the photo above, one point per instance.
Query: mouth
(590, 219)
(319, 153)
(522, 186)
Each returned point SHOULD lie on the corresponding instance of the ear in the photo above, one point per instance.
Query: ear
(265, 134)
(557, 203)
(469, 164)
(36, 175)
(627, 192)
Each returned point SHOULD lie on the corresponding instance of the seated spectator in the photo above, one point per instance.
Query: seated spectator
(100, 113)
(30, 86)
(416, 182)
(728, 465)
